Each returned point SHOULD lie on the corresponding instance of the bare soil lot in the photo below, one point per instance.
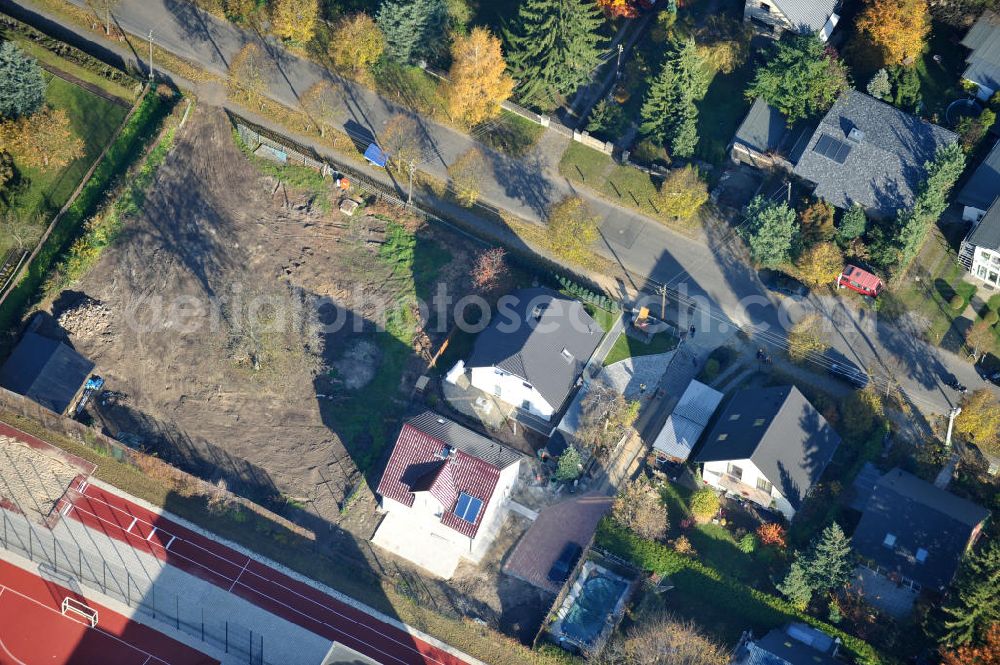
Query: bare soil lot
(172, 316)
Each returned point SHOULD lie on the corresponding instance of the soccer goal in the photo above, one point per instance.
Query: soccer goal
(74, 606)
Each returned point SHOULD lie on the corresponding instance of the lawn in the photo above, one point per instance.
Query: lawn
(721, 112)
(628, 347)
(585, 164)
(47, 57)
(510, 134)
(603, 317)
(939, 81)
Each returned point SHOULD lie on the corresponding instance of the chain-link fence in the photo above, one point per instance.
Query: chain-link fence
(72, 565)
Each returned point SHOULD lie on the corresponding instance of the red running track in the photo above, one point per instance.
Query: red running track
(262, 585)
(34, 630)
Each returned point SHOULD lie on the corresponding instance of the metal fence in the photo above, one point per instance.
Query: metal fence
(74, 566)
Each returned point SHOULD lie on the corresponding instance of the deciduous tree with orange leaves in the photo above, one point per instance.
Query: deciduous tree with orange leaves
(899, 28)
(479, 79)
(986, 654)
(619, 8)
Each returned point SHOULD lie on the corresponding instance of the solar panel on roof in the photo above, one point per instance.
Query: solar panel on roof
(468, 507)
(832, 148)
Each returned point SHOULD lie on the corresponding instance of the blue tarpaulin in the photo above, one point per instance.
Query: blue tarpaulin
(374, 154)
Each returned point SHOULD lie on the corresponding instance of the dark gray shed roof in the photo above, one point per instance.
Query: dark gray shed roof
(763, 128)
(528, 336)
(983, 187)
(882, 168)
(780, 648)
(464, 439)
(45, 371)
(987, 231)
(919, 516)
(807, 15)
(984, 61)
(780, 432)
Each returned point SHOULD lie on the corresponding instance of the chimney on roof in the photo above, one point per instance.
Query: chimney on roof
(856, 135)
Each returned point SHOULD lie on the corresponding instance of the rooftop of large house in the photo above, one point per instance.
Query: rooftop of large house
(984, 41)
(543, 337)
(869, 153)
(455, 465)
(777, 429)
(915, 529)
(987, 231)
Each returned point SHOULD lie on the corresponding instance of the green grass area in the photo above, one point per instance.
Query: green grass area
(511, 134)
(43, 55)
(124, 151)
(365, 421)
(411, 86)
(585, 165)
(94, 120)
(940, 81)
(628, 347)
(601, 316)
(721, 112)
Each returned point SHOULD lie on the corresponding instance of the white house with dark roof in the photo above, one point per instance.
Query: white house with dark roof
(983, 39)
(869, 153)
(982, 187)
(443, 492)
(533, 351)
(980, 250)
(773, 17)
(769, 446)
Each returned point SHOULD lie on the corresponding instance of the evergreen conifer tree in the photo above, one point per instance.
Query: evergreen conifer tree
(22, 88)
(669, 114)
(828, 564)
(411, 27)
(796, 587)
(974, 603)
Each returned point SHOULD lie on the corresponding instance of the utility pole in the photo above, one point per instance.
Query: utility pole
(951, 424)
(663, 302)
(409, 193)
(151, 56)
(618, 66)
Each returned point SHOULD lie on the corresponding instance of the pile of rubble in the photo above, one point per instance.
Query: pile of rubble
(89, 317)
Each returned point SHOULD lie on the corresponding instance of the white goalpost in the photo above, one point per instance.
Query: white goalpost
(74, 606)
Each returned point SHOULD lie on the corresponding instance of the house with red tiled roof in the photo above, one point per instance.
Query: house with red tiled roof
(443, 493)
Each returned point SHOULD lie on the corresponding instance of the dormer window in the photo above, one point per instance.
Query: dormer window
(735, 416)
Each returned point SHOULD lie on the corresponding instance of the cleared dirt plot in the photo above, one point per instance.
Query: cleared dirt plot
(235, 324)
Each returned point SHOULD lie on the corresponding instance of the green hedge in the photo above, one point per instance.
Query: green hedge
(755, 608)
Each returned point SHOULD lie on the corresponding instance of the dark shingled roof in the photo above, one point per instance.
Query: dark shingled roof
(987, 231)
(531, 347)
(983, 188)
(780, 432)
(807, 15)
(885, 165)
(763, 129)
(920, 516)
(464, 439)
(780, 648)
(984, 61)
(46, 371)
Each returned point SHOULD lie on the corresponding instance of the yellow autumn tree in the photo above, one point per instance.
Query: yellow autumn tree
(820, 264)
(572, 227)
(979, 420)
(357, 43)
(804, 339)
(479, 79)
(294, 20)
(899, 28)
(246, 76)
(42, 140)
(682, 193)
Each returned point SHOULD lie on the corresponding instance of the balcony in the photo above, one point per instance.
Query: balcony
(734, 485)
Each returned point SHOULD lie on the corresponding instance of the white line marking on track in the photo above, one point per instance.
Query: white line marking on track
(129, 529)
(151, 533)
(233, 585)
(170, 542)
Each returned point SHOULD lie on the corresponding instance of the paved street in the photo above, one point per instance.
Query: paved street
(710, 268)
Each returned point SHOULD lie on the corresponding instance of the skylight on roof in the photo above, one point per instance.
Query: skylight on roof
(468, 507)
(890, 540)
(921, 555)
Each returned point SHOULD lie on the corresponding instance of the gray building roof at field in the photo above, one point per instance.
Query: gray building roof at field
(886, 160)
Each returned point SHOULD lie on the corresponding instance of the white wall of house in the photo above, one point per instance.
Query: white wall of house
(511, 389)
(762, 13)
(750, 475)
(970, 214)
(986, 265)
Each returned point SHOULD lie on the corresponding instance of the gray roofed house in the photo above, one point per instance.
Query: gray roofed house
(464, 439)
(982, 188)
(869, 153)
(773, 17)
(984, 61)
(913, 529)
(980, 250)
(46, 371)
(769, 445)
(797, 644)
(533, 351)
(764, 139)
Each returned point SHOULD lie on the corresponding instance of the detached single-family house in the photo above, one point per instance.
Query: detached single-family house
(984, 61)
(773, 17)
(869, 153)
(764, 140)
(770, 446)
(796, 644)
(45, 371)
(982, 187)
(916, 532)
(533, 351)
(443, 493)
(980, 250)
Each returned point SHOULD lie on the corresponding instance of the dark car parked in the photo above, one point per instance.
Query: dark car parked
(783, 284)
(564, 564)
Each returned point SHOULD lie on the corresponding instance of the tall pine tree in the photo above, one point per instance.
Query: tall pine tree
(796, 586)
(22, 88)
(669, 114)
(553, 48)
(975, 601)
(411, 27)
(828, 564)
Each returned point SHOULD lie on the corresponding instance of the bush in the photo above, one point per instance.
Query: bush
(747, 544)
(772, 534)
(957, 303)
(711, 370)
(991, 318)
(704, 503)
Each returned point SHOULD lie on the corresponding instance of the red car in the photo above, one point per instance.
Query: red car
(860, 280)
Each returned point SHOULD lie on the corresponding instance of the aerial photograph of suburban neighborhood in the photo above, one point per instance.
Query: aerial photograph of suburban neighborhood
(499, 332)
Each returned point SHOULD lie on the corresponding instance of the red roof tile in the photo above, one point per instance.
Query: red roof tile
(417, 456)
